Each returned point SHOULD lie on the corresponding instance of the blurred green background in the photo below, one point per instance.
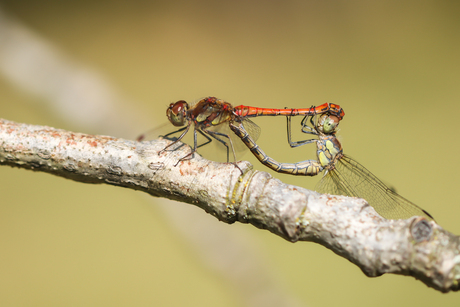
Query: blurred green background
(393, 66)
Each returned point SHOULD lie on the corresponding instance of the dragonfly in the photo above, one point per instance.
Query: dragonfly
(211, 112)
(342, 174)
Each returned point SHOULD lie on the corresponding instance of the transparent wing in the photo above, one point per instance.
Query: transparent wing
(350, 178)
(252, 129)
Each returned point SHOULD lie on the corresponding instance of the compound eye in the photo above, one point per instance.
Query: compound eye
(328, 123)
(177, 113)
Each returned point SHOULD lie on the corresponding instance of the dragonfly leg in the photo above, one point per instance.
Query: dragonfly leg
(208, 139)
(297, 143)
(216, 135)
(312, 123)
(195, 145)
(174, 132)
(309, 131)
(179, 138)
(302, 123)
(141, 137)
(305, 125)
(306, 128)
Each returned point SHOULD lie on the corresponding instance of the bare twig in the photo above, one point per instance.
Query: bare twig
(347, 226)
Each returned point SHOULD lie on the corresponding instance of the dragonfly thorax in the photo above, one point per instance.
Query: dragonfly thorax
(329, 150)
(211, 111)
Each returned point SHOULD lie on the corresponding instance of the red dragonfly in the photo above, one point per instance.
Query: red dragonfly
(211, 112)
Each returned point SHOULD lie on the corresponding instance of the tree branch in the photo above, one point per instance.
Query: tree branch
(347, 226)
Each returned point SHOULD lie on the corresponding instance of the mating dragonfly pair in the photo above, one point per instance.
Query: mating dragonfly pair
(343, 175)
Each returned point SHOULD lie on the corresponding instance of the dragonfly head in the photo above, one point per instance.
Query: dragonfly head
(177, 113)
(327, 123)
